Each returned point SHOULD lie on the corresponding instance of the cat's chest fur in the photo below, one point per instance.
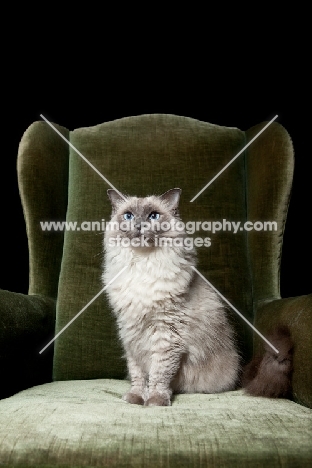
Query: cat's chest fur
(149, 296)
(155, 279)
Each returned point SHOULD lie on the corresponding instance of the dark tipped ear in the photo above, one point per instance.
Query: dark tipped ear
(115, 197)
(172, 198)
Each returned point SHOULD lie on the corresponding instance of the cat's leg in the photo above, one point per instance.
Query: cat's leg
(163, 368)
(137, 391)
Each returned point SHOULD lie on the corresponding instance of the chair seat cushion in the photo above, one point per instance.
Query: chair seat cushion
(86, 423)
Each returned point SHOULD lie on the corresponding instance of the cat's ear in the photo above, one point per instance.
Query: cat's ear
(115, 198)
(172, 198)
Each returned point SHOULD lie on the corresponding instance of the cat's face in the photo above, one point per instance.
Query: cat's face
(147, 219)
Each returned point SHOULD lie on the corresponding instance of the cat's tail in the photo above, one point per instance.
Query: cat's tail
(269, 375)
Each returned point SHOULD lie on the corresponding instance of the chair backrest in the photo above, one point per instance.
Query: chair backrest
(145, 155)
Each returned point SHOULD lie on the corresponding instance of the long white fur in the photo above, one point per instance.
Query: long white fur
(173, 327)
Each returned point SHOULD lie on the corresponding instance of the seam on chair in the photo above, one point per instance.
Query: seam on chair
(246, 233)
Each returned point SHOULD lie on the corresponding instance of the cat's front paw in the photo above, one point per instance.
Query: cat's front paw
(133, 398)
(158, 400)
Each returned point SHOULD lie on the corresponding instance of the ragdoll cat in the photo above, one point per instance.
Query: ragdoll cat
(173, 326)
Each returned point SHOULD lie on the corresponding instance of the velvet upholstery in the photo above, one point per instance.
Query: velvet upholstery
(42, 168)
(185, 153)
(26, 324)
(296, 312)
(87, 424)
(79, 419)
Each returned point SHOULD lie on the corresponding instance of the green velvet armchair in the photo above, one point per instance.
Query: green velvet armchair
(62, 363)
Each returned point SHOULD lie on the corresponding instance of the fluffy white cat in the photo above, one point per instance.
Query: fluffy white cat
(173, 326)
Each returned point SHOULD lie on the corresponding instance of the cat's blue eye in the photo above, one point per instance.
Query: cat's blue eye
(128, 216)
(154, 215)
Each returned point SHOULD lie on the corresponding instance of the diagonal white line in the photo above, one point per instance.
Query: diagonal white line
(235, 310)
(235, 157)
(107, 181)
(81, 155)
(83, 309)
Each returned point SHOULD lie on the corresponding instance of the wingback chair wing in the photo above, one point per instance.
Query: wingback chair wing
(72, 413)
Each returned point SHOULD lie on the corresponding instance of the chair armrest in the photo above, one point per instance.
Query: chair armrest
(296, 313)
(26, 325)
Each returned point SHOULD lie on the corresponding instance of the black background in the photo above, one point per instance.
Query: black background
(75, 93)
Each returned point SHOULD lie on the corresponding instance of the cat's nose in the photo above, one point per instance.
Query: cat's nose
(141, 225)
